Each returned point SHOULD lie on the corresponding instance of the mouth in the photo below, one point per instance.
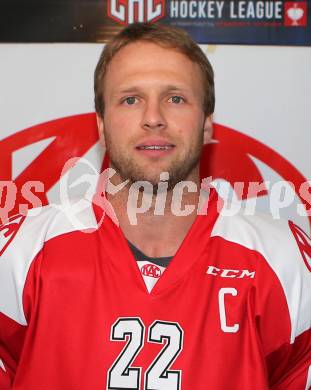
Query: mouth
(155, 148)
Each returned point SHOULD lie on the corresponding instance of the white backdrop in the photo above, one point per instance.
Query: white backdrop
(263, 92)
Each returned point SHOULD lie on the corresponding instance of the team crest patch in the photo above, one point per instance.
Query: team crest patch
(151, 270)
(9, 231)
(303, 242)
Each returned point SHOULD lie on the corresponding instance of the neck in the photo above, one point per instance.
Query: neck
(157, 223)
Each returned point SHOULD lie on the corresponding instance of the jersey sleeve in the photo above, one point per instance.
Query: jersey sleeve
(285, 331)
(22, 240)
(290, 365)
(11, 342)
(12, 328)
(5, 383)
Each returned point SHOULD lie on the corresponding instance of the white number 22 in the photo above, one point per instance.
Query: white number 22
(158, 376)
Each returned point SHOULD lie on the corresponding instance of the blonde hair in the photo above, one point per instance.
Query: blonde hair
(162, 35)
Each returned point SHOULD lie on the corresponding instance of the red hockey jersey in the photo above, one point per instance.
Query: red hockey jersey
(231, 311)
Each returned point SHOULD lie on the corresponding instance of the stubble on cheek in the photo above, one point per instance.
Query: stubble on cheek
(179, 168)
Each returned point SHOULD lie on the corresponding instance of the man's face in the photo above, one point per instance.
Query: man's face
(154, 120)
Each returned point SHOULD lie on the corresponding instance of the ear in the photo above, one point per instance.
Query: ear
(101, 130)
(208, 129)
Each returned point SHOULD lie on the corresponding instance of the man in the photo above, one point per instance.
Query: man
(97, 308)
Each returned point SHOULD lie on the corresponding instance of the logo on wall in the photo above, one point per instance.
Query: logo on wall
(295, 14)
(253, 21)
(221, 14)
(130, 11)
(70, 140)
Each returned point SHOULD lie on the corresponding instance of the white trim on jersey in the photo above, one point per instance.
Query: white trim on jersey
(275, 241)
(150, 280)
(2, 365)
(34, 232)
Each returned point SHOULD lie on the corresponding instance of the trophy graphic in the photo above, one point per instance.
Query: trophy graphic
(295, 13)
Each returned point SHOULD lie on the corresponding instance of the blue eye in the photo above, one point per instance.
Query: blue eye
(130, 100)
(177, 99)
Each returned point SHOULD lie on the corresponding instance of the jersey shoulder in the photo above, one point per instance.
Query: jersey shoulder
(275, 239)
(285, 247)
(22, 239)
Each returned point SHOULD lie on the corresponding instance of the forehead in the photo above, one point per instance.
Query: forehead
(144, 62)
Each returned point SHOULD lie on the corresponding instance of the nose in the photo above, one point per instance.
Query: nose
(153, 116)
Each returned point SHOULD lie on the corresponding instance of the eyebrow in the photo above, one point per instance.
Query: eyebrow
(134, 89)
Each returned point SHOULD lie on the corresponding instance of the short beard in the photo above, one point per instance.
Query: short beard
(178, 171)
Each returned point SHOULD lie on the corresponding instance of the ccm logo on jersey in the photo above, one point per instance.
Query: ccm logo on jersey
(9, 230)
(151, 270)
(230, 273)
